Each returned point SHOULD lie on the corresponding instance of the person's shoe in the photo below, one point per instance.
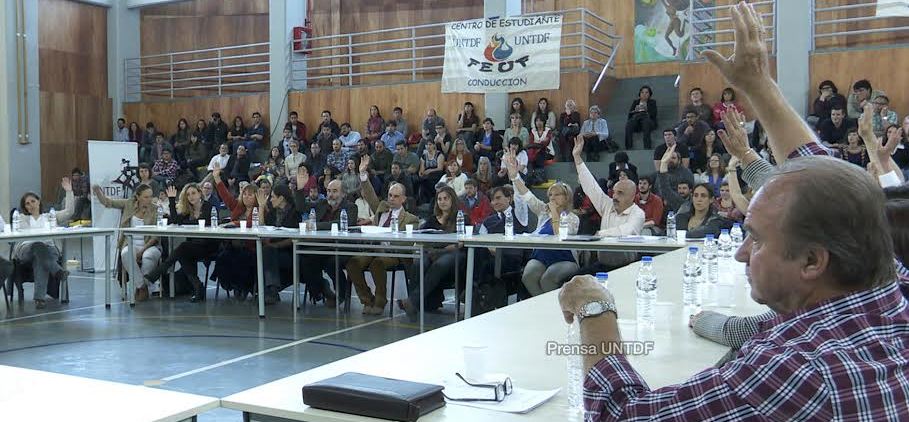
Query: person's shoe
(198, 290)
(40, 304)
(142, 294)
(376, 310)
(272, 297)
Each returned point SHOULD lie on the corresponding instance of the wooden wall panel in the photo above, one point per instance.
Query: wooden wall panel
(74, 101)
(860, 40)
(166, 114)
(198, 24)
(879, 66)
(709, 79)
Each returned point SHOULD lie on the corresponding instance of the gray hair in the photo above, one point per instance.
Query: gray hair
(837, 206)
(593, 108)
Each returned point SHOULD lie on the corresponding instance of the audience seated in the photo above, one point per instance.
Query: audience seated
(595, 132)
(516, 129)
(474, 203)
(257, 135)
(517, 106)
(714, 174)
(277, 254)
(642, 117)
(236, 136)
(432, 165)
(462, 156)
(727, 102)
(468, 124)
(669, 137)
(691, 133)
(297, 128)
(328, 212)
(333, 129)
(674, 182)
(862, 92)
(166, 168)
(349, 138)
(883, 116)
(217, 130)
(488, 141)
(392, 136)
(540, 147)
(621, 163)
(545, 112)
(696, 102)
(652, 205)
(833, 131)
(397, 116)
(569, 127)
(827, 100)
(453, 178)
(430, 122)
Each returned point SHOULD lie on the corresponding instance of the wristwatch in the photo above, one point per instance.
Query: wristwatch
(596, 308)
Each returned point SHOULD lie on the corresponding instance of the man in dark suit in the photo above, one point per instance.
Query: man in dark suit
(385, 211)
(328, 211)
(512, 259)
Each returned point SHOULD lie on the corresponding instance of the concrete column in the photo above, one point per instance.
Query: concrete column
(793, 40)
(283, 15)
(122, 43)
(496, 104)
(19, 171)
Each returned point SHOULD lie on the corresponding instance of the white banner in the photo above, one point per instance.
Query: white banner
(502, 55)
(112, 166)
(894, 8)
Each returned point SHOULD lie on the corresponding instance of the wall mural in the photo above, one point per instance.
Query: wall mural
(662, 30)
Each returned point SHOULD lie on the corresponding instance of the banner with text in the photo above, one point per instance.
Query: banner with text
(503, 54)
(113, 167)
(892, 8)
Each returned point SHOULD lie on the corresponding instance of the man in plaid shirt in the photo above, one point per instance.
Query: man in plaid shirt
(839, 347)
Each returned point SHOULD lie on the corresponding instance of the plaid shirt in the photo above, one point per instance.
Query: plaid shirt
(812, 148)
(843, 359)
(337, 160)
(168, 170)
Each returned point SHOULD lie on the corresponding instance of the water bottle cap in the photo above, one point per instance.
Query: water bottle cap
(671, 213)
(724, 231)
(709, 237)
(647, 259)
(693, 249)
(737, 225)
(602, 275)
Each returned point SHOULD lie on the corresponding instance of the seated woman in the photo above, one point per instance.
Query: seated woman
(432, 164)
(440, 263)
(43, 256)
(854, 150)
(726, 104)
(453, 178)
(515, 148)
(137, 211)
(462, 156)
(232, 269)
(485, 176)
(726, 207)
(702, 219)
(145, 178)
(188, 210)
(350, 179)
(714, 174)
(547, 269)
(540, 146)
(277, 253)
(274, 167)
(620, 163)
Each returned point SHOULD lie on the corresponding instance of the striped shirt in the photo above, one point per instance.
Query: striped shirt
(843, 359)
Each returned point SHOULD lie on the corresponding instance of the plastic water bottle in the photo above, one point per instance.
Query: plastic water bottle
(52, 218)
(691, 275)
(509, 225)
(17, 221)
(214, 218)
(255, 218)
(460, 224)
(670, 226)
(159, 219)
(575, 364)
(343, 221)
(646, 293)
(603, 279)
(394, 224)
(563, 225)
(738, 236)
(725, 244)
(312, 227)
(711, 260)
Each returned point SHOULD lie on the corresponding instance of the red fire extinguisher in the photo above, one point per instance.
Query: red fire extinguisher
(302, 35)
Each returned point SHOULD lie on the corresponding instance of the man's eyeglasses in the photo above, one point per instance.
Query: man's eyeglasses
(500, 389)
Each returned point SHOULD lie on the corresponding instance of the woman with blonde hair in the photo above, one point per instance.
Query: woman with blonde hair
(188, 209)
(547, 269)
(139, 210)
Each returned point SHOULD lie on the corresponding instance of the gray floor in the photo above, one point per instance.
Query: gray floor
(215, 348)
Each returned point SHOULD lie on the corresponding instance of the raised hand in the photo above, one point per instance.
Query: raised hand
(749, 63)
(664, 161)
(364, 164)
(216, 171)
(733, 164)
(171, 191)
(578, 148)
(511, 164)
(66, 184)
(261, 198)
(97, 190)
(301, 180)
(734, 137)
(893, 141)
(866, 126)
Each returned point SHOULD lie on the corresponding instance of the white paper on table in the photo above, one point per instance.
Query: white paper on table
(520, 400)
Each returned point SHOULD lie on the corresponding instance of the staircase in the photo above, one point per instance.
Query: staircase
(616, 114)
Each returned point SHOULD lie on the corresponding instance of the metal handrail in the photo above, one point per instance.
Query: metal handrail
(825, 24)
(589, 38)
(707, 28)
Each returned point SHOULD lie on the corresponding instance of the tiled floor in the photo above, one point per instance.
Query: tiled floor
(215, 348)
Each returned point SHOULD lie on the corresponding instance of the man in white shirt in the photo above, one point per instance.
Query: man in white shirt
(221, 158)
(121, 134)
(349, 138)
(620, 215)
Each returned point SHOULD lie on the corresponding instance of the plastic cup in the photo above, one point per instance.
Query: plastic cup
(164, 222)
(201, 224)
(334, 228)
(468, 231)
(242, 224)
(681, 236)
(408, 229)
(475, 362)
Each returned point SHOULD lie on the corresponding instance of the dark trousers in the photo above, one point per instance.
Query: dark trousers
(639, 122)
(439, 275)
(311, 275)
(277, 261)
(188, 254)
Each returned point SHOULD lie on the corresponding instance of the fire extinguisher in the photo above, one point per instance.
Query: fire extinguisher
(302, 34)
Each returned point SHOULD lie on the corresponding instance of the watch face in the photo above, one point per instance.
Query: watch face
(593, 308)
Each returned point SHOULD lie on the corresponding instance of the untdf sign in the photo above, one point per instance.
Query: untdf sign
(502, 55)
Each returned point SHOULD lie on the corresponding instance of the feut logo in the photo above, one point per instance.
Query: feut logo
(497, 49)
(496, 54)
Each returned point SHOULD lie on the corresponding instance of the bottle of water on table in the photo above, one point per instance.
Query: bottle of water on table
(509, 225)
(159, 218)
(214, 218)
(710, 259)
(394, 224)
(52, 218)
(646, 293)
(255, 218)
(575, 387)
(725, 244)
(670, 226)
(343, 221)
(691, 274)
(563, 225)
(311, 223)
(17, 221)
(738, 236)
(460, 223)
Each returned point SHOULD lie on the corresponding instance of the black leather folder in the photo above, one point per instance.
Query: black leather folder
(373, 396)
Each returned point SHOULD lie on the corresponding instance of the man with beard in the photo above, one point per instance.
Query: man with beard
(674, 183)
(620, 216)
(328, 211)
(652, 205)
